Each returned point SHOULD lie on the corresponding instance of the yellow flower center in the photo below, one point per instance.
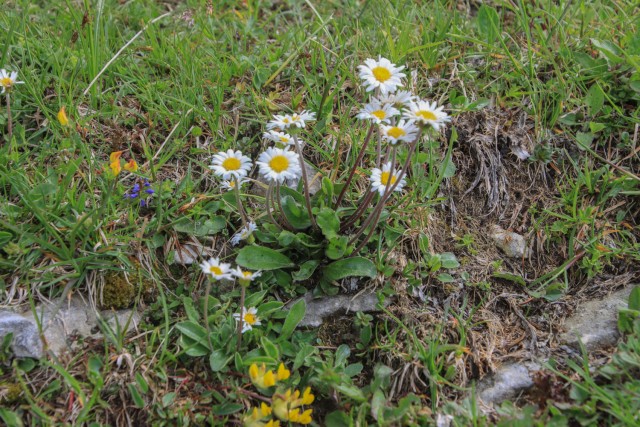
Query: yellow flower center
(250, 318)
(384, 178)
(231, 164)
(396, 132)
(285, 120)
(426, 114)
(279, 163)
(246, 274)
(215, 270)
(381, 74)
(6, 82)
(380, 114)
(284, 139)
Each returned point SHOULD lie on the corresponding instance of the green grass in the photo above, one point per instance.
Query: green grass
(557, 78)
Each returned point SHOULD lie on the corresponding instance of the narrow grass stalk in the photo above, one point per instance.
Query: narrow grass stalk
(206, 314)
(363, 204)
(241, 320)
(305, 181)
(355, 165)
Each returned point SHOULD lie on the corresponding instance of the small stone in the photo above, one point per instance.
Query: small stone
(321, 308)
(507, 382)
(187, 254)
(595, 323)
(26, 339)
(512, 244)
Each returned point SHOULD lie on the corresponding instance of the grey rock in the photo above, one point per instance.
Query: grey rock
(512, 244)
(595, 323)
(26, 340)
(321, 308)
(61, 321)
(507, 382)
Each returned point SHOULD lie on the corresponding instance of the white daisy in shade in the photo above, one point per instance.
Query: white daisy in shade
(379, 179)
(231, 185)
(380, 74)
(287, 120)
(427, 113)
(246, 274)
(277, 164)
(231, 164)
(280, 138)
(216, 269)
(8, 79)
(244, 233)
(403, 131)
(249, 318)
(377, 112)
(399, 99)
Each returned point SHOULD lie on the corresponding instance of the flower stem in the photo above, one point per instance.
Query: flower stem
(9, 122)
(286, 222)
(268, 202)
(236, 189)
(206, 314)
(355, 165)
(241, 320)
(305, 181)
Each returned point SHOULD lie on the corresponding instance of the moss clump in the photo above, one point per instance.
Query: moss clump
(10, 393)
(118, 292)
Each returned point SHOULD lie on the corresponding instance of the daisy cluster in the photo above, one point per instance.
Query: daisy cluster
(399, 115)
(222, 271)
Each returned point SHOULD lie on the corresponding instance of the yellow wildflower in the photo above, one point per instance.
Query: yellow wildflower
(62, 117)
(260, 377)
(131, 166)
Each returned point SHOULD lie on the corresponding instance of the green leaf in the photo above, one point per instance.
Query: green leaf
(261, 258)
(306, 270)
(337, 247)
(378, 402)
(596, 127)
(268, 308)
(511, 278)
(218, 360)
(200, 228)
(351, 391)
(138, 401)
(594, 99)
(10, 418)
(584, 140)
(270, 349)
(488, 23)
(303, 355)
(328, 222)
(5, 237)
(295, 212)
(608, 50)
(356, 266)
(449, 260)
(338, 419)
(227, 408)
(327, 187)
(446, 278)
(295, 315)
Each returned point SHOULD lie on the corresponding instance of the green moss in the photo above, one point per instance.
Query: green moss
(120, 291)
(10, 393)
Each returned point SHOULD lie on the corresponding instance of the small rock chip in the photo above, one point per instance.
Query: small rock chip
(321, 308)
(507, 382)
(26, 339)
(512, 244)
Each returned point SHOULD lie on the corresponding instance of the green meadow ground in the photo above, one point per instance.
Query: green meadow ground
(556, 79)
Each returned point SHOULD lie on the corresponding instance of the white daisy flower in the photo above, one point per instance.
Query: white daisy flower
(216, 269)
(287, 120)
(277, 164)
(231, 184)
(8, 79)
(380, 178)
(231, 164)
(249, 318)
(404, 130)
(243, 233)
(427, 113)
(381, 74)
(399, 99)
(280, 138)
(377, 112)
(246, 274)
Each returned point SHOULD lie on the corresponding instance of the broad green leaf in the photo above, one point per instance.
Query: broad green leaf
(338, 419)
(488, 23)
(226, 408)
(449, 260)
(270, 349)
(306, 270)
(634, 299)
(295, 315)
(356, 266)
(446, 278)
(200, 228)
(584, 140)
(328, 222)
(295, 212)
(337, 247)
(218, 360)
(594, 99)
(138, 401)
(608, 50)
(261, 258)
